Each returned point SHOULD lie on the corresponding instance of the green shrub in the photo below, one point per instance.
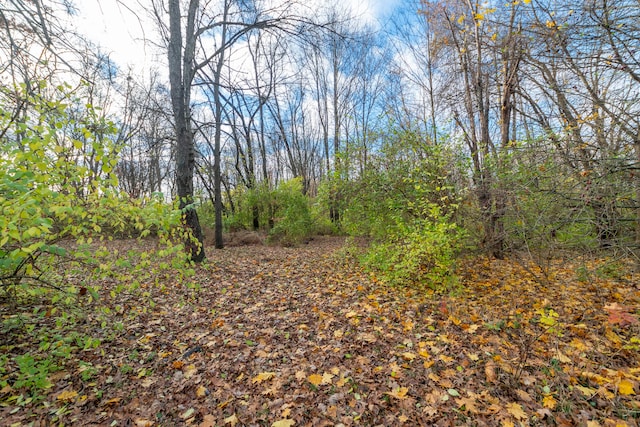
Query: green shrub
(57, 184)
(419, 255)
(292, 222)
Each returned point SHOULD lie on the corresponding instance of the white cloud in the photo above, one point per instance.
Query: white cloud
(122, 33)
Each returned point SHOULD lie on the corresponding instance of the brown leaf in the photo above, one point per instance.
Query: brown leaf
(208, 421)
(490, 371)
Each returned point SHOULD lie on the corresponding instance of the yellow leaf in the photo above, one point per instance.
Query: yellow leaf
(398, 393)
(283, 423)
(516, 410)
(549, 402)
(233, 420)
(327, 378)
(626, 388)
(586, 390)
(526, 1)
(67, 395)
(190, 371)
(408, 356)
(201, 391)
(315, 379)
(408, 325)
(478, 16)
(445, 358)
(262, 376)
(461, 19)
(562, 358)
(507, 423)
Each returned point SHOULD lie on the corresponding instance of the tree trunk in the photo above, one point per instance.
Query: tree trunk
(180, 78)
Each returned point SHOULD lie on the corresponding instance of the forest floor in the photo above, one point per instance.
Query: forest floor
(272, 336)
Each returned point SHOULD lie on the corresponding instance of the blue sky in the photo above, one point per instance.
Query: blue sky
(122, 35)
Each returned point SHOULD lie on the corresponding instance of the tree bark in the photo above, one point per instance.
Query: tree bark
(180, 79)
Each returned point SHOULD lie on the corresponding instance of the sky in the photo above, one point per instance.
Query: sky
(121, 33)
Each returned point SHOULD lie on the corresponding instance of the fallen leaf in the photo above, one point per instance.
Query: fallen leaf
(524, 396)
(67, 396)
(589, 392)
(208, 421)
(190, 371)
(549, 402)
(398, 392)
(283, 423)
(408, 356)
(625, 388)
(490, 371)
(141, 422)
(315, 379)
(147, 382)
(201, 391)
(187, 414)
(468, 403)
(620, 315)
(262, 376)
(516, 410)
(233, 420)
(327, 378)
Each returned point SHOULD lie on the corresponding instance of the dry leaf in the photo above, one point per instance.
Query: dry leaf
(233, 420)
(201, 391)
(327, 378)
(586, 390)
(549, 402)
(208, 421)
(398, 393)
(283, 423)
(408, 356)
(490, 371)
(262, 376)
(524, 396)
(315, 379)
(625, 388)
(141, 422)
(67, 396)
(516, 410)
(187, 414)
(190, 371)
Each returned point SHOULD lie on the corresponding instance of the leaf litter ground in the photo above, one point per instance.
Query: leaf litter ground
(271, 336)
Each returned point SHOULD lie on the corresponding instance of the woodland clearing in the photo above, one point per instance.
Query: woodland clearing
(271, 336)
